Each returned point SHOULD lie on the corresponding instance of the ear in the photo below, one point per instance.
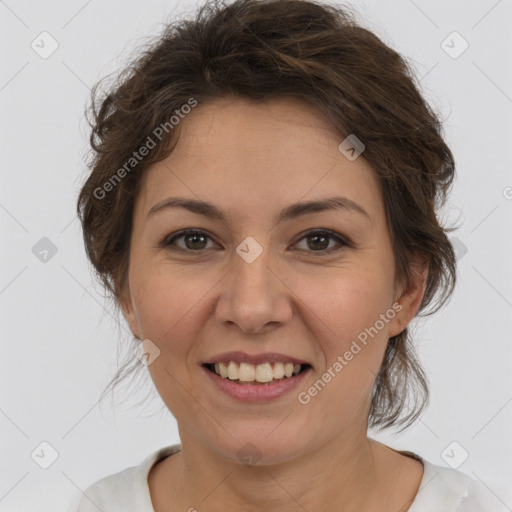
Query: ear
(126, 302)
(409, 296)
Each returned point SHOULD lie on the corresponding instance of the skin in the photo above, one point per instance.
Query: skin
(252, 160)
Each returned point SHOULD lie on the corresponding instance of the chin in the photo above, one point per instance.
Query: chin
(257, 448)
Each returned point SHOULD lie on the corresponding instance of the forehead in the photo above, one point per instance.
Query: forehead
(233, 149)
(236, 115)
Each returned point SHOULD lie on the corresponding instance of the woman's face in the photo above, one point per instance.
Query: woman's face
(271, 290)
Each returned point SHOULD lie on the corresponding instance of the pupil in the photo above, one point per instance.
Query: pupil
(194, 237)
(316, 237)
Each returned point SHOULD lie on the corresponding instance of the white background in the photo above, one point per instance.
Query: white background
(59, 343)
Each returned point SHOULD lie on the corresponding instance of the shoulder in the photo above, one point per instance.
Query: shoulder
(125, 491)
(112, 493)
(448, 490)
(492, 496)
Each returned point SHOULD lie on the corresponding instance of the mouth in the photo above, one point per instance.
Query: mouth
(263, 373)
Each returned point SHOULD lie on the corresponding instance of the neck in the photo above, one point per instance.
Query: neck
(341, 475)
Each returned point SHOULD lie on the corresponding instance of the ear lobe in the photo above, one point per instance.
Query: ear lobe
(411, 297)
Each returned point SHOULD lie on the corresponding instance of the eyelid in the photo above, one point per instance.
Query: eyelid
(343, 241)
(168, 240)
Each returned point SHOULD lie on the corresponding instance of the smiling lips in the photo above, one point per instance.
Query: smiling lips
(264, 368)
(264, 372)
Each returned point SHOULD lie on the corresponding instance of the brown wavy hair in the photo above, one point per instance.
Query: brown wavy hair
(265, 49)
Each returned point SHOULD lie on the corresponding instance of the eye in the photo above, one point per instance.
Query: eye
(319, 241)
(194, 240)
(316, 241)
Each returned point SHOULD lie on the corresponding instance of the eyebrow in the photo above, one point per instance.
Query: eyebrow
(290, 212)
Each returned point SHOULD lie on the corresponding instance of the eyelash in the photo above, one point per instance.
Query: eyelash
(168, 241)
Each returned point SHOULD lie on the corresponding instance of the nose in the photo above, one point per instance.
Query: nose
(254, 296)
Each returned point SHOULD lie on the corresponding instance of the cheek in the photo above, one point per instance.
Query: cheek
(167, 305)
(347, 303)
(345, 318)
(170, 307)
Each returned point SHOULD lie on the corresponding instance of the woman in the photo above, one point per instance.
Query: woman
(262, 207)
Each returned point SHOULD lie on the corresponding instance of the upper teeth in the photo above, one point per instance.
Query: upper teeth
(246, 372)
